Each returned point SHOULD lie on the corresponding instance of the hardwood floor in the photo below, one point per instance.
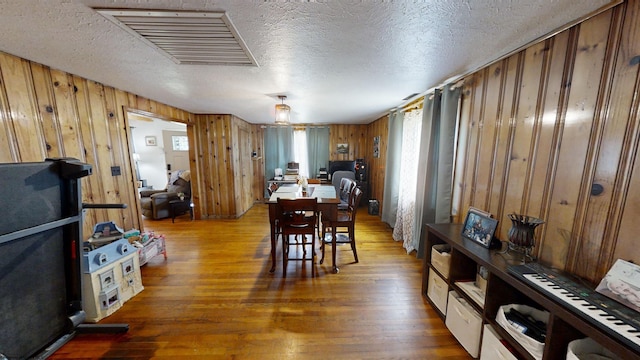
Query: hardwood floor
(214, 298)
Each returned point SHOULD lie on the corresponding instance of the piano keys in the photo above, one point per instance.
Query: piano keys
(619, 321)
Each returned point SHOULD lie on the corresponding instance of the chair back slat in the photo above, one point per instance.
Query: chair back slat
(346, 190)
(298, 214)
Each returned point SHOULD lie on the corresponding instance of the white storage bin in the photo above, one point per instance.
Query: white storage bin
(492, 347)
(588, 349)
(534, 347)
(464, 322)
(437, 291)
(441, 259)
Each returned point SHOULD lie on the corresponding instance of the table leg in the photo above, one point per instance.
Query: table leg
(273, 248)
(333, 250)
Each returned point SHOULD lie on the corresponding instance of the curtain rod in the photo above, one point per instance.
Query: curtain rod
(457, 84)
(453, 84)
(414, 105)
(296, 126)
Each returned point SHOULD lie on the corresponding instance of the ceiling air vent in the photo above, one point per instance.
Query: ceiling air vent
(187, 37)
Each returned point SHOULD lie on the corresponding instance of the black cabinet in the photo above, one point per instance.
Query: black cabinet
(364, 187)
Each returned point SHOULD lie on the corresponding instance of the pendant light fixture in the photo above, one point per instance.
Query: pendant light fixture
(283, 112)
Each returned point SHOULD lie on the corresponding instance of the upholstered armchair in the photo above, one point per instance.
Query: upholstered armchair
(155, 203)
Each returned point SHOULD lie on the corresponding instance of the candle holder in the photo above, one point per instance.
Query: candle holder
(522, 234)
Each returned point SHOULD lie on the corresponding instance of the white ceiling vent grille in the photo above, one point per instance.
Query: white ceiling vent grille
(206, 38)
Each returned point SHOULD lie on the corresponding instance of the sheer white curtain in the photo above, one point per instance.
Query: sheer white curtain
(405, 216)
(300, 154)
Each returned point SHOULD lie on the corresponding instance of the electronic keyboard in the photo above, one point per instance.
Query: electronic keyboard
(608, 315)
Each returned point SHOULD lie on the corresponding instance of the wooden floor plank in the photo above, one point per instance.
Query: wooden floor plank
(214, 298)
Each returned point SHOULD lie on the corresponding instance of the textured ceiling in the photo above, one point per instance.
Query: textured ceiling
(337, 61)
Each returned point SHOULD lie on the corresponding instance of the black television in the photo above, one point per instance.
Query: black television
(344, 165)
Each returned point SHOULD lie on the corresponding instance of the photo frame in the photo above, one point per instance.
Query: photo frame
(150, 141)
(376, 146)
(479, 227)
(342, 148)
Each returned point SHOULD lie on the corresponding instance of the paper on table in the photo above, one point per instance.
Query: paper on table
(287, 189)
(285, 195)
(324, 192)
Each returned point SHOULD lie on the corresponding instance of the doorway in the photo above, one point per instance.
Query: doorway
(150, 147)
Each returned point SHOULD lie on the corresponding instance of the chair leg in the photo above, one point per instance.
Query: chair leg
(355, 252)
(285, 255)
(313, 246)
(322, 243)
(304, 247)
(352, 234)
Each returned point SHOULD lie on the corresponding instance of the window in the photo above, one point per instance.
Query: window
(308, 146)
(180, 142)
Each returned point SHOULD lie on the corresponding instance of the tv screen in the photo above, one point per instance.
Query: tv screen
(345, 165)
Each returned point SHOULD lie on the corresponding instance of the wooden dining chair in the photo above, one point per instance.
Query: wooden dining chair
(316, 182)
(272, 188)
(343, 181)
(345, 191)
(298, 217)
(344, 224)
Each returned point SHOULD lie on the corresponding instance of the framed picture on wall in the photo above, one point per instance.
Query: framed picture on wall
(479, 227)
(342, 149)
(376, 146)
(151, 141)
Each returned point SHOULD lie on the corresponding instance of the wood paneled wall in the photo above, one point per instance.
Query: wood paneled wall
(242, 165)
(46, 113)
(354, 135)
(227, 171)
(377, 165)
(553, 132)
(257, 141)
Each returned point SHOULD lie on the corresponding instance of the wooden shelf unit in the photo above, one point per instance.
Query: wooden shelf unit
(503, 289)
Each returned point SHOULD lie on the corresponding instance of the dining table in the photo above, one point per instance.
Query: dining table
(327, 206)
